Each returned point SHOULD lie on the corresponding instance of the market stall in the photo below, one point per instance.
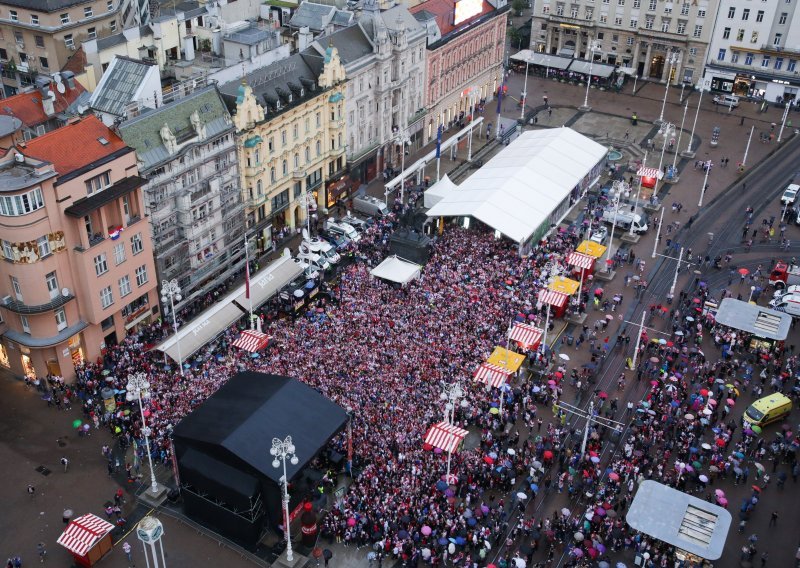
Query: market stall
(447, 438)
(526, 335)
(557, 302)
(251, 340)
(88, 538)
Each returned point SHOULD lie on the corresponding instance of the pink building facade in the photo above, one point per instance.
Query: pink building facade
(78, 272)
(464, 64)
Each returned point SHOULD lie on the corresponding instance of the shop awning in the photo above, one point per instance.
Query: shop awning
(597, 69)
(445, 436)
(555, 299)
(579, 260)
(509, 360)
(83, 533)
(542, 59)
(564, 285)
(649, 172)
(216, 319)
(591, 248)
(526, 335)
(251, 340)
(492, 375)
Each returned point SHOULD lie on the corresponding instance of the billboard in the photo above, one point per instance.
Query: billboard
(466, 9)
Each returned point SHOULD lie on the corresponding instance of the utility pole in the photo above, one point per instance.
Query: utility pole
(642, 327)
(658, 232)
(590, 418)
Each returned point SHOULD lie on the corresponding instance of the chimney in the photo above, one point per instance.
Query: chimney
(48, 100)
(70, 78)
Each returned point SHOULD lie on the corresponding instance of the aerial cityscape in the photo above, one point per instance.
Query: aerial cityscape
(387, 283)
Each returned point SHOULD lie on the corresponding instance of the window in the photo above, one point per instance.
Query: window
(283, 138)
(113, 25)
(8, 250)
(141, 275)
(119, 253)
(44, 247)
(560, 9)
(765, 61)
(652, 5)
(754, 37)
(681, 26)
(26, 327)
(51, 280)
(603, 18)
(760, 16)
(107, 323)
(100, 264)
(782, 19)
(110, 5)
(731, 13)
(136, 244)
(777, 40)
(726, 33)
(87, 12)
(281, 200)
(13, 15)
(106, 297)
(701, 13)
(637, 3)
(98, 183)
(38, 40)
(665, 22)
(124, 286)
(44, 62)
(22, 204)
(734, 57)
(285, 168)
(778, 63)
(64, 18)
(748, 59)
(684, 9)
(693, 51)
(272, 175)
(621, 2)
(34, 19)
(618, 21)
(721, 55)
(745, 14)
(648, 22)
(630, 41)
(70, 43)
(634, 23)
(698, 31)
(61, 318)
(740, 35)
(790, 66)
(573, 13)
(17, 288)
(3, 53)
(92, 33)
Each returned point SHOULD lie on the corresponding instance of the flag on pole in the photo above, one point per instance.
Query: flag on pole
(246, 271)
(439, 142)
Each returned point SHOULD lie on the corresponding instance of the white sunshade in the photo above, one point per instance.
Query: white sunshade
(227, 310)
(395, 269)
(542, 59)
(598, 69)
(438, 191)
(517, 190)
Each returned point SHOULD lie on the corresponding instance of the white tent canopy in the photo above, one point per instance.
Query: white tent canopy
(438, 191)
(518, 189)
(216, 319)
(395, 269)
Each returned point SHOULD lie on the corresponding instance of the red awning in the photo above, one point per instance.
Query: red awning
(445, 436)
(555, 299)
(493, 375)
(580, 260)
(251, 340)
(649, 172)
(526, 335)
(83, 533)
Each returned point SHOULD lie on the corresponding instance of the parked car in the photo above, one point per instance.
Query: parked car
(357, 223)
(309, 271)
(790, 194)
(338, 241)
(726, 100)
(599, 235)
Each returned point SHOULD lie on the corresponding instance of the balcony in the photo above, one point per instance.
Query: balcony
(19, 307)
(253, 171)
(299, 174)
(94, 240)
(574, 22)
(779, 50)
(664, 36)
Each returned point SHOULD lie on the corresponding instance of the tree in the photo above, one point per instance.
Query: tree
(515, 37)
(518, 6)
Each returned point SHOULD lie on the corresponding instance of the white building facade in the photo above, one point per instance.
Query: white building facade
(638, 34)
(755, 50)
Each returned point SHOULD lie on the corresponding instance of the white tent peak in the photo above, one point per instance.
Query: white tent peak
(396, 269)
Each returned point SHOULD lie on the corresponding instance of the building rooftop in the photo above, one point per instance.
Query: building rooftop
(9, 125)
(119, 85)
(44, 5)
(15, 175)
(315, 16)
(252, 35)
(352, 44)
(444, 13)
(279, 86)
(76, 145)
(143, 133)
(28, 108)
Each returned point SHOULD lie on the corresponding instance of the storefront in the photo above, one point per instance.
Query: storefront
(337, 188)
(754, 84)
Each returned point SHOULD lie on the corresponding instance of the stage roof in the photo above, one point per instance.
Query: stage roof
(251, 409)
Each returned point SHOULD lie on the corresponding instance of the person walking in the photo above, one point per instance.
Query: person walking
(41, 550)
(126, 548)
(65, 463)
(773, 519)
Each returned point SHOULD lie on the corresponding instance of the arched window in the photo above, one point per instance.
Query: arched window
(308, 154)
(297, 161)
(259, 188)
(272, 177)
(285, 167)
(319, 148)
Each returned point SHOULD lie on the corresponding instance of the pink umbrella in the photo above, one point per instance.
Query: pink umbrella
(719, 493)
(722, 502)
(614, 476)
(426, 530)
(730, 401)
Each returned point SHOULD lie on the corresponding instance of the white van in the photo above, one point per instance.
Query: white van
(370, 205)
(793, 289)
(321, 247)
(343, 229)
(731, 101)
(625, 218)
(309, 271)
(789, 303)
(312, 258)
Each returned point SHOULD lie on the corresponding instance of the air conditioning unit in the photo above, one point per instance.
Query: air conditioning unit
(6, 300)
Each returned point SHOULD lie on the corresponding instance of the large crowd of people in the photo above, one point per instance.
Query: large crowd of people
(387, 352)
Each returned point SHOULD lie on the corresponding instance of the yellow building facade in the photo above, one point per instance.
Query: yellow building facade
(290, 142)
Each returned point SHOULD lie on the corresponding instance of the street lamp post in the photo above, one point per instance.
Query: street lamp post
(138, 387)
(280, 450)
(677, 270)
(451, 394)
(705, 183)
(678, 143)
(783, 122)
(688, 152)
(170, 291)
(586, 106)
(667, 129)
(525, 93)
(617, 189)
(673, 59)
(638, 191)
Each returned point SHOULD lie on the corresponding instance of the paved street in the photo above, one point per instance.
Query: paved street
(34, 435)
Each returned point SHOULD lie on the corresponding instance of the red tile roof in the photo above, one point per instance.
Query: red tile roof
(444, 10)
(76, 145)
(28, 106)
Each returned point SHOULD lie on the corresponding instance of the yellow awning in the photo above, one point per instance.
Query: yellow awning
(592, 249)
(510, 360)
(565, 285)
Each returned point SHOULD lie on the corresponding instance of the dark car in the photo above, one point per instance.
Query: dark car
(338, 241)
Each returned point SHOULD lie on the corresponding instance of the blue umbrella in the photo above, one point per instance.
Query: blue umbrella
(472, 521)
(254, 355)
(442, 541)
(441, 485)
(460, 540)
(534, 487)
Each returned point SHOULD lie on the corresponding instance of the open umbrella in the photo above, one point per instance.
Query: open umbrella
(565, 512)
(743, 271)
(578, 536)
(563, 356)
(521, 496)
(602, 394)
